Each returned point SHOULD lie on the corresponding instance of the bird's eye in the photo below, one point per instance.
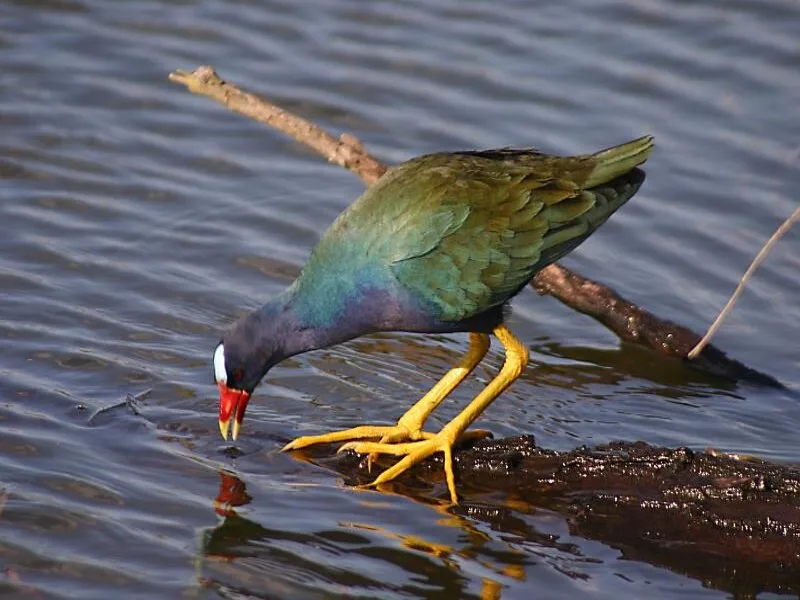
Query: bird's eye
(237, 374)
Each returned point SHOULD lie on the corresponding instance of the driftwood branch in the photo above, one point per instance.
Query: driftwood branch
(628, 321)
(346, 152)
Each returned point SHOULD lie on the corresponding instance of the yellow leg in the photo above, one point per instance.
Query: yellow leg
(414, 452)
(409, 426)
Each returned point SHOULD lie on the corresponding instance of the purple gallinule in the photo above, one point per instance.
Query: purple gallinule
(439, 244)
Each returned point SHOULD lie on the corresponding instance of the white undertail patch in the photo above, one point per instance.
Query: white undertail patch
(220, 375)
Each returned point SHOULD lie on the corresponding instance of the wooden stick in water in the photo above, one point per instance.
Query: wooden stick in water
(779, 232)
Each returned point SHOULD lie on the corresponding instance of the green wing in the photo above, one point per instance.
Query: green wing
(466, 231)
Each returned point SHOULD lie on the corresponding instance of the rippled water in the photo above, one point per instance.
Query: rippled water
(138, 220)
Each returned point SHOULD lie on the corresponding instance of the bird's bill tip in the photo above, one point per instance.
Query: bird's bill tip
(223, 428)
(232, 405)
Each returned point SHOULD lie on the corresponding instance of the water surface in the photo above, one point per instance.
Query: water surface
(138, 220)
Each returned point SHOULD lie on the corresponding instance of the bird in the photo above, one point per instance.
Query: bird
(439, 244)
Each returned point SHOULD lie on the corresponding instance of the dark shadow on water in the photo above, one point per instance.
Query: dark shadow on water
(635, 361)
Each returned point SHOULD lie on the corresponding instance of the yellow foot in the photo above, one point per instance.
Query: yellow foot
(415, 452)
(402, 434)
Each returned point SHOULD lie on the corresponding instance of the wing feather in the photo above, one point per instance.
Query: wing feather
(464, 232)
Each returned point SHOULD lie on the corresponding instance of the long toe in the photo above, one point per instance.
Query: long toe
(355, 433)
(380, 448)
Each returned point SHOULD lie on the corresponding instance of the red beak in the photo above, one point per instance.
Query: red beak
(232, 403)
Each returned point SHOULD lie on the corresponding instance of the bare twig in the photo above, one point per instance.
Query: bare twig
(625, 319)
(346, 152)
(779, 232)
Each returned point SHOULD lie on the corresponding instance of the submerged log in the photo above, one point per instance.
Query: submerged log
(731, 522)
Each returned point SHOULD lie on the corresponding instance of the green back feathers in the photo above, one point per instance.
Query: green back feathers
(465, 231)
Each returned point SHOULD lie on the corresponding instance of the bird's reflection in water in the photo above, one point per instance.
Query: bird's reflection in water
(245, 559)
(232, 493)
